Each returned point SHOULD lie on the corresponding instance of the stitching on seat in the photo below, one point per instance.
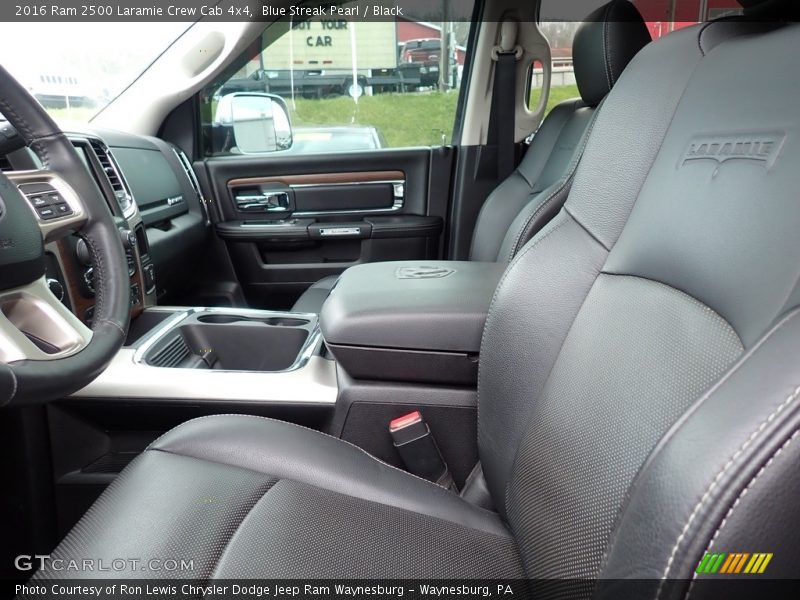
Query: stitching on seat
(205, 459)
(752, 482)
(704, 498)
(539, 209)
(606, 48)
(430, 483)
(743, 360)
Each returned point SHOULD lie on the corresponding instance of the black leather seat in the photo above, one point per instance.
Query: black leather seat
(535, 192)
(638, 395)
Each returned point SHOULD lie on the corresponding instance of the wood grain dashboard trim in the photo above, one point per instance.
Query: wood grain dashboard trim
(321, 178)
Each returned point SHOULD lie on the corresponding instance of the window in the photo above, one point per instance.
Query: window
(535, 84)
(351, 84)
(69, 76)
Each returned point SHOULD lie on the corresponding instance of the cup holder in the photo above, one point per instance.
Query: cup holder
(286, 321)
(274, 321)
(256, 341)
(220, 319)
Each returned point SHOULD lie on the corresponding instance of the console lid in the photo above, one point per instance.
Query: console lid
(416, 321)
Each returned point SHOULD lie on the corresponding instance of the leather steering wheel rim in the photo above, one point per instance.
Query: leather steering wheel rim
(42, 380)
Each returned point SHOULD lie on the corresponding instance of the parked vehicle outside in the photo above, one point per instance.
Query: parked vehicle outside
(313, 140)
(426, 53)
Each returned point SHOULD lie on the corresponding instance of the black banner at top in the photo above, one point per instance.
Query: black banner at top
(351, 10)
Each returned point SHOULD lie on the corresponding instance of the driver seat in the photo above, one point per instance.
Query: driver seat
(638, 394)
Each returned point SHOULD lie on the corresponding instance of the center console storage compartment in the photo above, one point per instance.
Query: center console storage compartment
(414, 321)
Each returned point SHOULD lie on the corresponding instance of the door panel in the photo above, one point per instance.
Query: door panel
(375, 191)
(289, 221)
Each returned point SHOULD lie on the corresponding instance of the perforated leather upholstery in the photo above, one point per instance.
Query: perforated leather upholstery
(639, 393)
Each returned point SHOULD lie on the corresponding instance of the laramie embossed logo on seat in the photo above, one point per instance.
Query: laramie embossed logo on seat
(760, 148)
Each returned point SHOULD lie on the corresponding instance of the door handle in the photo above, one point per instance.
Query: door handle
(267, 202)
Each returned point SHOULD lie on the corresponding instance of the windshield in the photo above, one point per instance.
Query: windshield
(76, 69)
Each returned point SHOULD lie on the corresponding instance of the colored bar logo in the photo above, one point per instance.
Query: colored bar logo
(734, 563)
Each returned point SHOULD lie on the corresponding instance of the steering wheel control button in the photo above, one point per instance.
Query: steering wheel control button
(62, 209)
(46, 212)
(40, 201)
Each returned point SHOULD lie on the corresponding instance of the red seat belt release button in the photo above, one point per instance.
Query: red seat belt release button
(418, 449)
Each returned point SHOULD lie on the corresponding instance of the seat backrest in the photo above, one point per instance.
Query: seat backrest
(638, 388)
(535, 192)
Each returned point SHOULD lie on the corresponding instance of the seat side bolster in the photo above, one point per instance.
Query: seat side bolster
(718, 447)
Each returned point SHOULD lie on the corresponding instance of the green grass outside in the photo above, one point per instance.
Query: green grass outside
(404, 120)
(559, 94)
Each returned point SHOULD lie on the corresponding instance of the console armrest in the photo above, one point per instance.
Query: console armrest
(418, 321)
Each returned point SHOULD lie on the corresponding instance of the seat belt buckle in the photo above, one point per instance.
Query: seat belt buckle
(417, 447)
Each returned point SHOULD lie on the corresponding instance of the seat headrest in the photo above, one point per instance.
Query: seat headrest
(604, 45)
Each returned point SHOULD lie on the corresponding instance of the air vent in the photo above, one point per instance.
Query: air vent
(5, 164)
(111, 169)
(187, 168)
(171, 355)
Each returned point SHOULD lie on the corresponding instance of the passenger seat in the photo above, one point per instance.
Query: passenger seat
(534, 193)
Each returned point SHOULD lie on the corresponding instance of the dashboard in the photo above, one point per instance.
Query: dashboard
(156, 200)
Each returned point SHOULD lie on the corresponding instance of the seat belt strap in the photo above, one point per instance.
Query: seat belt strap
(501, 121)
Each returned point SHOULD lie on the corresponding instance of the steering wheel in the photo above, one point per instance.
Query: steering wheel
(45, 351)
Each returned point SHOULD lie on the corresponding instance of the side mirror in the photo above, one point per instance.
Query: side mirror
(259, 122)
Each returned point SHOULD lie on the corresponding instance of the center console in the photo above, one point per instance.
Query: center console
(392, 338)
(410, 321)
(220, 355)
(406, 337)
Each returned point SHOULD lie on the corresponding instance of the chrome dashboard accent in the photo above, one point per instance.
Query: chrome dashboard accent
(189, 170)
(312, 379)
(32, 312)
